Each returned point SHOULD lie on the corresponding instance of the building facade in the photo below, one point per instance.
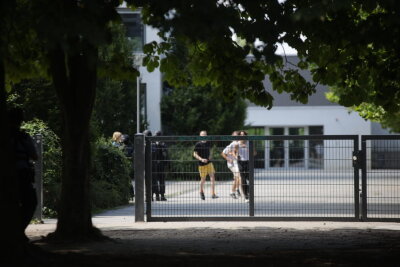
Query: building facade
(150, 82)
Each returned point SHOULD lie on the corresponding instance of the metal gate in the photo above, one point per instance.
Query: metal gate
(314, 177)
(381, 178)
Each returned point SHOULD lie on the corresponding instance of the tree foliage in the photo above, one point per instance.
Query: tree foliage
(214, 57)
(188, 110)
(62, 39)
(115, 104)
(352, 46)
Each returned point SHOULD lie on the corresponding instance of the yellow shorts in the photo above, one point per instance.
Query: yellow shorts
(206, 170)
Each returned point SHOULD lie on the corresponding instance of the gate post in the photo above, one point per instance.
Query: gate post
(364, 179)
(39, 177)
(357, 162)
(139, 167)
(251, 178)
(148, 178)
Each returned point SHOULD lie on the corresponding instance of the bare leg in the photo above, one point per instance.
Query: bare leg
(240, 186)
(212, 179)
(202, 181)
(234, 184)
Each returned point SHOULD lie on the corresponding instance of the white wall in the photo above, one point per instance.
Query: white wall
(334, 119)
(154, 87)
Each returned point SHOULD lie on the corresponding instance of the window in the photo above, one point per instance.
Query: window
(259, 146)
(134, 30)
(277, 149)
(308, 154)
(316, 149)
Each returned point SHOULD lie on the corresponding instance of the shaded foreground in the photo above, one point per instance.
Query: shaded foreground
(255, 246)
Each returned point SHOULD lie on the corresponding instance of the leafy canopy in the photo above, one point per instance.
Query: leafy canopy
(352, 46)
(214, 58)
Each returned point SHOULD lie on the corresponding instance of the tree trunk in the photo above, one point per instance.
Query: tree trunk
(12, 236)
(74, 76)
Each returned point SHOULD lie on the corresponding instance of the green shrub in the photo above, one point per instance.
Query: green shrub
(52, 162)
(110, 183)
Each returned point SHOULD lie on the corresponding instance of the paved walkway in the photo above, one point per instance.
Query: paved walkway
(208, 243)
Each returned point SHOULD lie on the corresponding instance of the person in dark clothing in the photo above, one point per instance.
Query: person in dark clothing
(159, 163)
(202, 152)
(25, 154)
(244, 164)
(127, 149)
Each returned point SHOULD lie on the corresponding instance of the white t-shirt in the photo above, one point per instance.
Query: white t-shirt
(233, 166)
(229, 149)
(244, 151)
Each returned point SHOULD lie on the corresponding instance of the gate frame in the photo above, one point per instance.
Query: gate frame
(145, 174)
(364, 177)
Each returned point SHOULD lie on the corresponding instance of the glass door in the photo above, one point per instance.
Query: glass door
(277, 149)
(259, 146)
(316, 148)
(296, 149)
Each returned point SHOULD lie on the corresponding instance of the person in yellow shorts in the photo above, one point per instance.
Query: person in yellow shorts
(202, 154)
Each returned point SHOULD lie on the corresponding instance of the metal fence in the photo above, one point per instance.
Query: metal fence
(381, 178)
(289, 178)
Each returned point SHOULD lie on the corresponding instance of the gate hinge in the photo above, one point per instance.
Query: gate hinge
(357, 159)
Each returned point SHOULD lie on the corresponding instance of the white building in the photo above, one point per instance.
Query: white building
(151, 82)
(319, 116)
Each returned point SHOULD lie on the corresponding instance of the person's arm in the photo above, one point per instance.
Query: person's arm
(225, 156)
(225, 153)
(196, 156)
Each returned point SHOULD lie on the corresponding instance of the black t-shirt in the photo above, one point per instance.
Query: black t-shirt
(203, 150)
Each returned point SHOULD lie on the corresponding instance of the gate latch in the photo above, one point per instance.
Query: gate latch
(357, 159)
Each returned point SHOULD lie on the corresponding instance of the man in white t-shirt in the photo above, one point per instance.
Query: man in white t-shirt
(230, 154)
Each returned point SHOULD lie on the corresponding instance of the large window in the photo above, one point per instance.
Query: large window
(316, 149)
(259, 146)
(134, 30)
(296, 148)
(308, 154)
(277, 149)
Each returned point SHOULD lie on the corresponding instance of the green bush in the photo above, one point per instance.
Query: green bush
(52, 162)
(110, 183)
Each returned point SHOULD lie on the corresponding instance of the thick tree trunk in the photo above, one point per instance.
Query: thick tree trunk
(11, 235)
(74, 77)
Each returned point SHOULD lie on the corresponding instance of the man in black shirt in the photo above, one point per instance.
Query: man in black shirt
(202, 154)
(159, 162)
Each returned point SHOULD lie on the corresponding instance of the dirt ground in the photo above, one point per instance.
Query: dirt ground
(229, 244)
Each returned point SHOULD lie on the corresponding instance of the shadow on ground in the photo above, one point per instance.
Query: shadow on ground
(228, 247)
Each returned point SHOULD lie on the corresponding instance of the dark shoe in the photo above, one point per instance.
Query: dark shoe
(233, 196)
(215, 196)
(163, 198)
(202, 196)
(238, 193)
(158, 198)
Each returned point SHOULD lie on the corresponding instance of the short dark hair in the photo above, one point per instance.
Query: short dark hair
(147, 133)
(158, 133)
